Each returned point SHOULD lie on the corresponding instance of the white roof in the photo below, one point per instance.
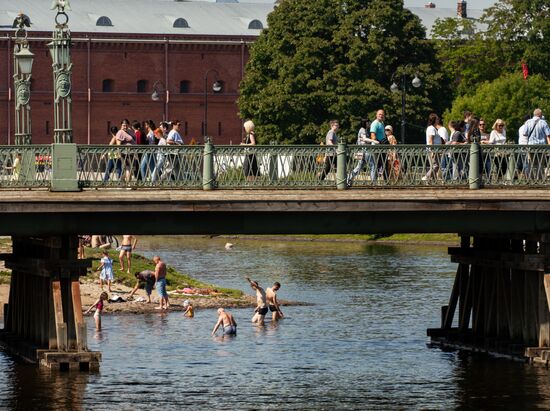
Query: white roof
(204, 17)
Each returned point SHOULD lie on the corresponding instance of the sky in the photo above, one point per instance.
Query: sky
(477, 4)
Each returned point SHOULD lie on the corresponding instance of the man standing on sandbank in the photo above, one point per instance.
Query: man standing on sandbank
(228, 323)
(274, 307)
(160, 277)
(127, 246)
(261, 303)
(145, 279)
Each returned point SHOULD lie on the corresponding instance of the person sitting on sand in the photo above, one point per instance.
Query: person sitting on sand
(146, 280)
(274, 307)
(228, 323)
(261, 303)
(189, 311)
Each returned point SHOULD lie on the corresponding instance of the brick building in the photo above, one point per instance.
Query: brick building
(124, 50)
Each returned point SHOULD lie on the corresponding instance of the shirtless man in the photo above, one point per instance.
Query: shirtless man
(228, 323)
(160, 277)
(126, 247)
(261, 303)
(274, 307)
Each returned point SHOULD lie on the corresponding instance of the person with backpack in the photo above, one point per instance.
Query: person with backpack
(537, 132)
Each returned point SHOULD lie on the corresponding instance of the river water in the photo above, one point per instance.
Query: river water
(361, 344)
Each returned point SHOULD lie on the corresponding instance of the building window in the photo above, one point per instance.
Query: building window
(181, 23)
(108, 85)
(104, 21)
(108, 128)
(47, 128)
(186, 132)
(184, 86)
(142, 86)
(255, 25)
(219, 128)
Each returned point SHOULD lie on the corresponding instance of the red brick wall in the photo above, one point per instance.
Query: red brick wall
(126, 63)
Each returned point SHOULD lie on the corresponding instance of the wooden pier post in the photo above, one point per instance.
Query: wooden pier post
(44, 322)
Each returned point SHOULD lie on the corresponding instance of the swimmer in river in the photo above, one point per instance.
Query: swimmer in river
(274, 307)
(261, 302)
(228, 323)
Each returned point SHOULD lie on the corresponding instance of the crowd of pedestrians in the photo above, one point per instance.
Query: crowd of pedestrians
(379, 164)
(444, 164)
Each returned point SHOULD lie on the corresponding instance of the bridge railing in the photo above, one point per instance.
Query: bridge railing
(275, 166)
(25, 166)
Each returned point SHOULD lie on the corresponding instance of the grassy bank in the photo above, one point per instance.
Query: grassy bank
(174, 279)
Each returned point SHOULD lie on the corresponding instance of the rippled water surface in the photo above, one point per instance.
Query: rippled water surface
(361, 344)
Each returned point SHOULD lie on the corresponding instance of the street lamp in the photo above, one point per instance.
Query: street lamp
(216, 88)
(158, 89)
(22, 68)
(60, 51)
(416, 82)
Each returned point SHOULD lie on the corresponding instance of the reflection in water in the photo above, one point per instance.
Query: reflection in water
(362, 345)
(43, 389)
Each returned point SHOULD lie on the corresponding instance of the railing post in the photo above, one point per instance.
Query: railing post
(208, 182)
(273, 160)
(64, 164)
(28, 166)
(474, 175)
(341, 161)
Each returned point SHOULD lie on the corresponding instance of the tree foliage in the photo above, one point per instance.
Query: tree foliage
(328, 59)
(509, 97)
(509, 33)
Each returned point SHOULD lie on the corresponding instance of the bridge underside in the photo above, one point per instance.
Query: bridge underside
(275, 212)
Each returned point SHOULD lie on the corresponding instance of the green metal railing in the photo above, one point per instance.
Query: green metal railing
(26, 166)
(68, 167)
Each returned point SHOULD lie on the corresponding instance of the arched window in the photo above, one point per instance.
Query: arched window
(142, 86)
(185, 86)
(255, 25)
(181, 23)
(104, 21)
(108, 85)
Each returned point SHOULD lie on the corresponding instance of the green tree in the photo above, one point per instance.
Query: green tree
(509, 97)
(328, 59)
(509, 33)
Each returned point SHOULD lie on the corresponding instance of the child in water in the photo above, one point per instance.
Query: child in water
(98, 305)
(107, 274)
(188, 309)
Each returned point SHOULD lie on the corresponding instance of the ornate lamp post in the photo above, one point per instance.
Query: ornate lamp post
(22, 67)
(416, 82)
(60, 50)
(216, 88)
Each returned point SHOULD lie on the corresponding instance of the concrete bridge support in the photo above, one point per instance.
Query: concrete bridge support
(43, 321)
(500, 301)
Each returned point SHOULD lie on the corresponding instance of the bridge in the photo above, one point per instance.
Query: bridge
(497, 201)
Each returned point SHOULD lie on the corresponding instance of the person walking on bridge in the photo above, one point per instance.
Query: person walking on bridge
(537, 132)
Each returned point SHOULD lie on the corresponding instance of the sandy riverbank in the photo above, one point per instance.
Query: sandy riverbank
(90, 290)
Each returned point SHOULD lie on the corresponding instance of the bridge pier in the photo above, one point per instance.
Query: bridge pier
(43, 320)
(502, 291)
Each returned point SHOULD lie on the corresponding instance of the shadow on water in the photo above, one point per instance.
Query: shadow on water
(36, 389)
